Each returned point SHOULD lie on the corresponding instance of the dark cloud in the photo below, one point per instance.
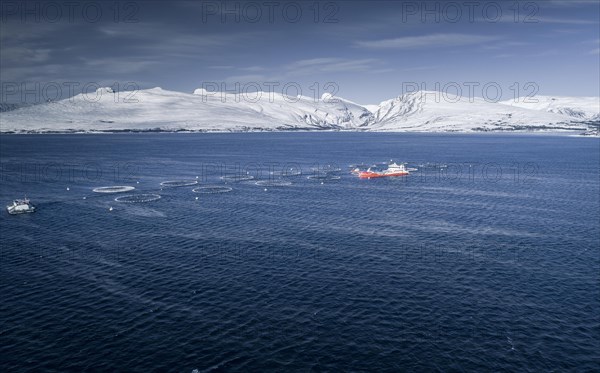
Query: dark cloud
(367, 48)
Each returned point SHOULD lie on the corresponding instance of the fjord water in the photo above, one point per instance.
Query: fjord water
(491, 263)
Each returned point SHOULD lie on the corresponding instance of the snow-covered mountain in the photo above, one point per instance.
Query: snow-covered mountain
(586, 108)
(158, 109)
(433, 111)
(172, 111)
(294, 112)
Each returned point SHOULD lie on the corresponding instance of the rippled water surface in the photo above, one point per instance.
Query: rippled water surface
(491, 263)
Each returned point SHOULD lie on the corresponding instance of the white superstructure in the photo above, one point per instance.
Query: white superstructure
(20, 206)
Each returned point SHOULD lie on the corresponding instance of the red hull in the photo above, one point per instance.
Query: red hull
(371, 175)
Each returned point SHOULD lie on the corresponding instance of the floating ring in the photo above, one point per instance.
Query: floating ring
(178, 183)
(113, 189)
(138, 198)
(212, 189)
(273, 183)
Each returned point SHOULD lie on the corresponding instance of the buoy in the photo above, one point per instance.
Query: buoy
(196, 198)
(110, 209)
(265, 189)
(68, 188)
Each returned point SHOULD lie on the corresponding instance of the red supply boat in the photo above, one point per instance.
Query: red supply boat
(393, 170)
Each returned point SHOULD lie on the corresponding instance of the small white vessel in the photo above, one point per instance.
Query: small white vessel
(20, 206)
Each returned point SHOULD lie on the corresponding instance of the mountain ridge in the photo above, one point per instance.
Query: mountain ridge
(157, 109)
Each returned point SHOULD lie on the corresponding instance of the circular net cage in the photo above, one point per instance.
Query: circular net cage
(324, 177)
(113, 189)
(178, 183)
(286, 173)
(212, 190)
(237, 178)
(326, 169)
(273, 183)
(138, 198)
(431, 166)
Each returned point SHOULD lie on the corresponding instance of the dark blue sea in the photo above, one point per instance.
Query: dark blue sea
(485, 259)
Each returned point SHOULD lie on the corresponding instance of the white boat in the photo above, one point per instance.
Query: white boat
(20, 206)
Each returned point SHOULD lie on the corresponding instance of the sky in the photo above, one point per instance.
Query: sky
(364, 51)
